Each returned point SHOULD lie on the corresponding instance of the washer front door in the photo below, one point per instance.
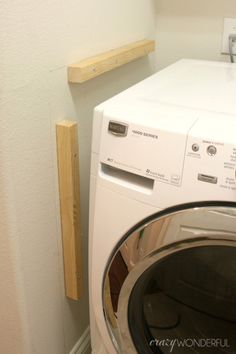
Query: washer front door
(170, 286)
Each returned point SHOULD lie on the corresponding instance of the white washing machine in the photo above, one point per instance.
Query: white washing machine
(162, 244)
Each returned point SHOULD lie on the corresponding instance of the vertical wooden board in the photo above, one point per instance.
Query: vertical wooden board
(68, 175)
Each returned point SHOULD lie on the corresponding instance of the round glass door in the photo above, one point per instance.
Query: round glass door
(170, 286)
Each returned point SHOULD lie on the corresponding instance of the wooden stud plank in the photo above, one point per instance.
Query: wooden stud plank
(68, 173)
(89, 68)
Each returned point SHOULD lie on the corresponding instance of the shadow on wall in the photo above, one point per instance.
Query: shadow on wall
(190, 29)
(12, 320)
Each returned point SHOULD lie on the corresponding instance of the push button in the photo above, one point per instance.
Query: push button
(195, 147)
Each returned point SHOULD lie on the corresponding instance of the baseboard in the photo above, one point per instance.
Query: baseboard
(83, 346)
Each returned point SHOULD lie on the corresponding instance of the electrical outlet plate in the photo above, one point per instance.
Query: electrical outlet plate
(229, 28)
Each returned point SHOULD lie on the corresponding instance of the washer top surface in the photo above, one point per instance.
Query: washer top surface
(187, 84)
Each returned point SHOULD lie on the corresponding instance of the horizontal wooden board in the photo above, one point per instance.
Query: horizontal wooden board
(92, 67)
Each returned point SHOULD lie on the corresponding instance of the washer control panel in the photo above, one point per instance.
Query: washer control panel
(212, 161)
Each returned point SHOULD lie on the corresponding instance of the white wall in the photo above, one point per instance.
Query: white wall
(38, 40)
(190, 29)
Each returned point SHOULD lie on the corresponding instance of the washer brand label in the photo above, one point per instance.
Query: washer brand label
(142, 133)
(116, 128)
